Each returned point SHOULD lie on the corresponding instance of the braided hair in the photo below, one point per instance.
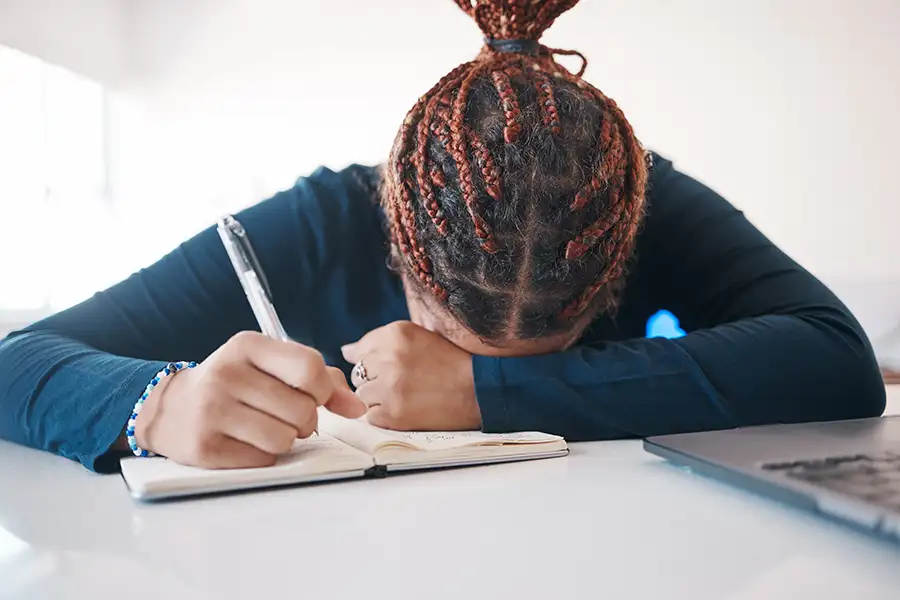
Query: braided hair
(515, 189)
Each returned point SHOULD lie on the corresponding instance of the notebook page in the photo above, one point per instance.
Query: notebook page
(446, 440)
(317, 455)
(354, 432)
(368, 438)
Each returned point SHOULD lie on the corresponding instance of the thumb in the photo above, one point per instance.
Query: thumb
(351, 352)
(343, 401)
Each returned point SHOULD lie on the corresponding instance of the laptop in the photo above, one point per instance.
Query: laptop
(846, 471)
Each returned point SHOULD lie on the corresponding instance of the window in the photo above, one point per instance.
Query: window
(54, 201)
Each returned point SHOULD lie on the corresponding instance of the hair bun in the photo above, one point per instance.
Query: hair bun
(515, 19)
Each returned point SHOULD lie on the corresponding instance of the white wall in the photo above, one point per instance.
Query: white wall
(788, 107)
(86, 36)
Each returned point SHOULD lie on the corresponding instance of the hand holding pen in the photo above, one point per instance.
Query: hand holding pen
(249, 401)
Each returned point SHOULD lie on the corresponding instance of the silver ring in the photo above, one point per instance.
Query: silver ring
(359, 375)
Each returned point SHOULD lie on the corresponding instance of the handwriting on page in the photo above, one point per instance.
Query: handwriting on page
(430, 439)
(313, 443)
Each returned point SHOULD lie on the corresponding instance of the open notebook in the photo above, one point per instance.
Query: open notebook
(343, 449)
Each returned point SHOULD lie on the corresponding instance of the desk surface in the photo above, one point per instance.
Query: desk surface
(608, 521)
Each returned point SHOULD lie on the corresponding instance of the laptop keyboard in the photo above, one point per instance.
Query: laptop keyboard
(874, 478)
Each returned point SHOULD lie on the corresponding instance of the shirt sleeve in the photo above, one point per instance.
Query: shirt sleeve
(69, 382)
(767, 342)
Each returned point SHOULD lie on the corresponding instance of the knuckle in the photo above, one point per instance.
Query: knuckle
(215, 411)
(396, 410)
(304, 431)
(221, 371)
(381, 419)
(205, 447)
(312, 359)
(209, 394)
(402, 353)
(314, 379)
(263, 459)
(403, 330)
(204, 408)
(243, 340)
(395, 386)
(335, 375)
(284, 441)
(301, 411)
(403, 389)
(307, 423)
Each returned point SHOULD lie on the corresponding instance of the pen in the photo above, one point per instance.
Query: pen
(253, 280)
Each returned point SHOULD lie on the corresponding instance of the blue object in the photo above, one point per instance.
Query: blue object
(664, 325)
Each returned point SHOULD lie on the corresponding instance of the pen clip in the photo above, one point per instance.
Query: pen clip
(250, 274)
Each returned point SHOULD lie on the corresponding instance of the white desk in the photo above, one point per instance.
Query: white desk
(609, 521)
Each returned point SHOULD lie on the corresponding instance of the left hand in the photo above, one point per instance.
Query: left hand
(418, 380)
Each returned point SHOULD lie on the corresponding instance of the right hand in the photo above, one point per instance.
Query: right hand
(244, 405)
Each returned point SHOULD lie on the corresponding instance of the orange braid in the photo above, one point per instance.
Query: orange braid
(460, 152)
(626, 206)
(547, 102)
(493, 182)
(401, 209)
(510, 105)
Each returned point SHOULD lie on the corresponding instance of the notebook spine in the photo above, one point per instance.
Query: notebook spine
(379, 471)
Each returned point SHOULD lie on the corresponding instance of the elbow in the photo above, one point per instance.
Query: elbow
(852, 370)
(867, 396)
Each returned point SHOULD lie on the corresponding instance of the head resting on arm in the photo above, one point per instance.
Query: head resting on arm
(514, 192)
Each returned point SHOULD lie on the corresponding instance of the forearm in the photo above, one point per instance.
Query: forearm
(770, 369)
(62, 396)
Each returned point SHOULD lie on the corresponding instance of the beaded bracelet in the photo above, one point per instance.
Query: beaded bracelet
(169, 369)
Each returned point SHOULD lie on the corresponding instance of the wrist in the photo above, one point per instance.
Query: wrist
(148, 411)
(144, 423)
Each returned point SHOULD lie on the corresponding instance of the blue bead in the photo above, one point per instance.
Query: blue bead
(154, 381)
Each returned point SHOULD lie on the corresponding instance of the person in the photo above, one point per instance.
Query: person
(496, 274)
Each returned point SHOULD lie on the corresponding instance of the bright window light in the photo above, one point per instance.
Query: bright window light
(53, 201)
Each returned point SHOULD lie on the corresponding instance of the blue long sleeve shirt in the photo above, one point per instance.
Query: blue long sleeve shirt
(766, 341)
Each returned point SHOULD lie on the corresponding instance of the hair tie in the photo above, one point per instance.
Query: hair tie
(534, 48)
(520, 46)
